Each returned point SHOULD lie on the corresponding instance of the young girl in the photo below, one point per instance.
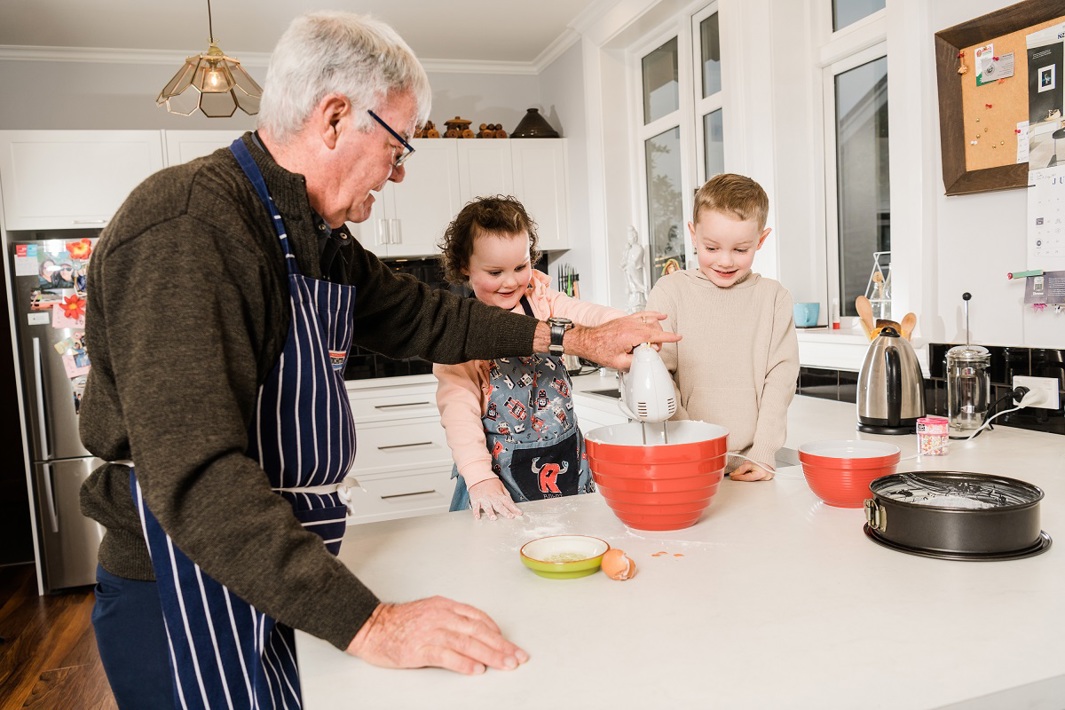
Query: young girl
(510, 422)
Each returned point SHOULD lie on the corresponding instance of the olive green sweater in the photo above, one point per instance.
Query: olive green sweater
(188, 312)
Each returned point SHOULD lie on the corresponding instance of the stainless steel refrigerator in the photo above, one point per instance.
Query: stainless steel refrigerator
(48, 297)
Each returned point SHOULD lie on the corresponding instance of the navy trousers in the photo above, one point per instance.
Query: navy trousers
(131, 637)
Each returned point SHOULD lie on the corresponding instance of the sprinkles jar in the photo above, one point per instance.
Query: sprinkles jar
(933, 436)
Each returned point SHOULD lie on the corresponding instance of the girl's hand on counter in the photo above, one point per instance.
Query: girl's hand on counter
(491, 496)
(436, 632)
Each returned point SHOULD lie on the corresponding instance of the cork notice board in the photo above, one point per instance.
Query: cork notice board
(978, 124)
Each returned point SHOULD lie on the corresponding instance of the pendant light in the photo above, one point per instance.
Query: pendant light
(213, 83)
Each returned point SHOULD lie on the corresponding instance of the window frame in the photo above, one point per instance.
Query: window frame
(828, 83)
(702, 106)
(839, 51)
(688, 117)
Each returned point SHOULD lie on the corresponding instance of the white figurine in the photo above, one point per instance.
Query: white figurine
(635, 268)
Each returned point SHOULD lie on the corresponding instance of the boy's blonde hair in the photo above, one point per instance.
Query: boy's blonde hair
(736, 194)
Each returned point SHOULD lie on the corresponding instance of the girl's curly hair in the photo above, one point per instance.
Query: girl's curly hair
(499, 214)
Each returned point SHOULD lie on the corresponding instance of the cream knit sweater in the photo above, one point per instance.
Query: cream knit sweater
(739, 360)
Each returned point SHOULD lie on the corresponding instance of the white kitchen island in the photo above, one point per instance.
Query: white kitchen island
(772, 600)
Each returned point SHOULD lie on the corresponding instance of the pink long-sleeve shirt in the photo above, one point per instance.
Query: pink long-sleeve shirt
(462, 390)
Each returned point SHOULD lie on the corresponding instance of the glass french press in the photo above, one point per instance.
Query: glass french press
(968, 381)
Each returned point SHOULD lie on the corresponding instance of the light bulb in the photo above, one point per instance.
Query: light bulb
(214, 80)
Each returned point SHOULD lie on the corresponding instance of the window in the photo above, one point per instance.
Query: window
(665, 208)
(708, 105)
(847, 12)
(863, 205)
(682, 136)
(661, 92)
(857, 176)
(662, 158)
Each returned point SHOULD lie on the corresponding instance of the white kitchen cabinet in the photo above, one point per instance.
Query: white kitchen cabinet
(485, 168)
(72, 179)
(402, 463)
(445, 173)
(540, 182)
(409, 218)
(183, 146)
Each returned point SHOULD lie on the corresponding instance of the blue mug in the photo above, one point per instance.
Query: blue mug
(806, 314)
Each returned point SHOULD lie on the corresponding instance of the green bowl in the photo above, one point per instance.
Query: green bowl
(564, 556)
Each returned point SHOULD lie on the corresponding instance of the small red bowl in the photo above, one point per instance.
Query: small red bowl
(840, 471)
(654, 480)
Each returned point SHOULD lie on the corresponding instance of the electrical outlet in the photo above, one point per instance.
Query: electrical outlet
(1047, 384)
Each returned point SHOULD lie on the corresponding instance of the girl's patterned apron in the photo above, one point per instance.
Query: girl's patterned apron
(531, 430)
(225, 653)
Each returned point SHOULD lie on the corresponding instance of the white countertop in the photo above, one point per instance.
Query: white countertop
(772, 600)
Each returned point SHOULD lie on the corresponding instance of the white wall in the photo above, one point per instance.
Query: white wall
(85, 95)
(978, 238)
(562, 96)
(484, 98)
(77, 95)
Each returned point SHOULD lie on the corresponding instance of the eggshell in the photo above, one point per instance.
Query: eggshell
(617, 565)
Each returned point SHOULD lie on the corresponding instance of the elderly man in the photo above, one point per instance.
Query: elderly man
(216, 393)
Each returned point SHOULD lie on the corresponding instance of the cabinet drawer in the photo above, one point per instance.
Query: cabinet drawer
(373, 406)
(407, 444)
(402, 495)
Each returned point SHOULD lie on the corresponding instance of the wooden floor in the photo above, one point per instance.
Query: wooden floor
(48, 657)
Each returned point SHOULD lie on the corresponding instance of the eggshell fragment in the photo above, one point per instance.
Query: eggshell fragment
(617, 565)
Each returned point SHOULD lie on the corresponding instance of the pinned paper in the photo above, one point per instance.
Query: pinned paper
(1022, 141)
(997, 69)
(1047, 288)
(984, 57)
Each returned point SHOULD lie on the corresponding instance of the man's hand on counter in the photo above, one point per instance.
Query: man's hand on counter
(435, 632)
(609, 344)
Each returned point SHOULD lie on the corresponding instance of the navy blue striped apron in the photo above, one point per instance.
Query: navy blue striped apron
(224, 652)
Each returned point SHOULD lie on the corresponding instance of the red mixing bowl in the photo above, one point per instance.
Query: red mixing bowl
(658, 485)
(839, 471)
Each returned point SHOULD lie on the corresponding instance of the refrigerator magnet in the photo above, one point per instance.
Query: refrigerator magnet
(76, 364)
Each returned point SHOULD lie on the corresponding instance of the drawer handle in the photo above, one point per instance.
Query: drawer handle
(404, 446)
(408, 495)
(405, 404)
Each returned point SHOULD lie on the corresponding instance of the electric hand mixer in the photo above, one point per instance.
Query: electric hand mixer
(647, 393)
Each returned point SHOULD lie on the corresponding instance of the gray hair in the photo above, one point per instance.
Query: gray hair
(338, 52)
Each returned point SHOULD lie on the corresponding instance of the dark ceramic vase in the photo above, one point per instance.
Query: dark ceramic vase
(533, 125)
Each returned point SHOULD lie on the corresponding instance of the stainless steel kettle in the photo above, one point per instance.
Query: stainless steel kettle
(890, 386)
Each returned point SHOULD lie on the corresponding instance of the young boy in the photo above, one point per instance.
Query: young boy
(739, 359)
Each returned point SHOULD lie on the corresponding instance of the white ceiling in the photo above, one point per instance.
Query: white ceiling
(440, 31)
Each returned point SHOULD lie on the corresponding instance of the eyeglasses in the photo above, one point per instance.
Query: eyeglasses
(407, 147)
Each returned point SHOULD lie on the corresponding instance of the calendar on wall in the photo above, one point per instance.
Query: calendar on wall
(1046, 218)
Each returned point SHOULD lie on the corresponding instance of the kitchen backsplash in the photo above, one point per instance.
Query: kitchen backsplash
(1006, 363)
(365, 364)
